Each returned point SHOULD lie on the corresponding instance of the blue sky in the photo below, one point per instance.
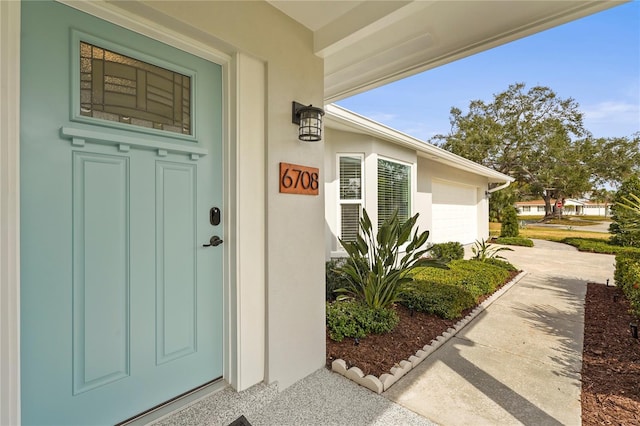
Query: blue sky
(594, 60)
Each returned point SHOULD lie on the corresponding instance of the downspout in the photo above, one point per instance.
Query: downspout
(498, 188)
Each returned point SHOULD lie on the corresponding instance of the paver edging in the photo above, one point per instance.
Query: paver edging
(386, 380)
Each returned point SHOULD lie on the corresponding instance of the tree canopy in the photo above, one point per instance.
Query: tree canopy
(540, 139)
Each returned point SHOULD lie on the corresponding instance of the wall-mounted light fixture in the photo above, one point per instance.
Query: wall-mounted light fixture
(309, 118)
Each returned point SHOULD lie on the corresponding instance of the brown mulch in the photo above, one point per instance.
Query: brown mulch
(611, 356)
(376, 354)
(610, 360)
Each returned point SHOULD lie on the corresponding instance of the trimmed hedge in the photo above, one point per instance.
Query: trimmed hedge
(355, 319)
(499, 262)
(594, 245)
(515, 241)
(444, 300)
(446, 252)
(627, 277)
(470, 279)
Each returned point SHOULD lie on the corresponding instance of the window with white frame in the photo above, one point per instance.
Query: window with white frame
(393, 189)
(351, 194)
(526, 209)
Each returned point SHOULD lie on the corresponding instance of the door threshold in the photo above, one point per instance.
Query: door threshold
(175, 404)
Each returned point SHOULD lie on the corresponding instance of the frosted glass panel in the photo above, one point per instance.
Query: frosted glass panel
(115, 87)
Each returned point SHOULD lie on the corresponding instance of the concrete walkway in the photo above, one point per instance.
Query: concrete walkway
(519, 362)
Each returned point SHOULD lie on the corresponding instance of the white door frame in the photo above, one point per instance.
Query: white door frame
(10, 212)
(243, 138)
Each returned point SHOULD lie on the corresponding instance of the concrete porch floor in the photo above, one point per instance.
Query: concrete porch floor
(322, 398)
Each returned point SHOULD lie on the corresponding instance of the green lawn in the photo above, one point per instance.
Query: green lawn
(551, 234)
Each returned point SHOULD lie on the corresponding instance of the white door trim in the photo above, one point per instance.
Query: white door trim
(10, 212)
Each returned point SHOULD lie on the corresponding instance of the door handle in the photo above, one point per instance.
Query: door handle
(213, 242)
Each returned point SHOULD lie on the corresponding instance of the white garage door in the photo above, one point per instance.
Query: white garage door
(455, 213)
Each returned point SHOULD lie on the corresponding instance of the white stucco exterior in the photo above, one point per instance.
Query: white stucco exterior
(348, 133)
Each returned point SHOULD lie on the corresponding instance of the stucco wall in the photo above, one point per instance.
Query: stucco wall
(342, 142)
(424, 171)
(294, 284)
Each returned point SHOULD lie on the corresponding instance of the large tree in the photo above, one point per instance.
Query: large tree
(538, 138)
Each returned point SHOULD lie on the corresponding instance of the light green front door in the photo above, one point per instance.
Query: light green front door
(120, 166)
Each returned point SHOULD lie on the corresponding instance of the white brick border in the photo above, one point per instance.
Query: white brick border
(386, 380)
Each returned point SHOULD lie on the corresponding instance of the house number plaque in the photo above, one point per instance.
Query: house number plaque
(296, 179)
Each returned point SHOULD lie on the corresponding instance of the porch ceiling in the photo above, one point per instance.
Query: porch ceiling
(368, 43)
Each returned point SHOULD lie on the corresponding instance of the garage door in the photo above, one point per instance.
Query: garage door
(455, 213)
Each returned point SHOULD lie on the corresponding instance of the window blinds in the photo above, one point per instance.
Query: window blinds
(350, 216)
(350, 168)
(350, 178)
(393, 190)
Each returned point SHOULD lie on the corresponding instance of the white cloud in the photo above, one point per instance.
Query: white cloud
(612, 118)
(612, 110)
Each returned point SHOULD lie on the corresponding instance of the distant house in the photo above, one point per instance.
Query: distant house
(571, 207)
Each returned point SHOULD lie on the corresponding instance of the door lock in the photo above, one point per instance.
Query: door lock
(213, 242)
(214, 216)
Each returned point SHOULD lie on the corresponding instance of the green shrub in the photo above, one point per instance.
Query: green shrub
(594, 245)
(446, 252)
(627, 277)
(334, 278)
(484, 277)
(355, 319)
(444, 300)
(477, 278)
(509, 222)
(501, 263)
(515, 241)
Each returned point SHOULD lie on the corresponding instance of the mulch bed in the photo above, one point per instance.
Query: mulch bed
(611, 357)
(610, 360)
(376, 354)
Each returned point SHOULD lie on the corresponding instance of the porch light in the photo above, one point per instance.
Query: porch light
(309, 118)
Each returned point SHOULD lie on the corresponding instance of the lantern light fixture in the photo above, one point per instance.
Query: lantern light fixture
(309, 118)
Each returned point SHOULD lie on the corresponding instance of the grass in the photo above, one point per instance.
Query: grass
(550, 234)
(598, 246)
(572, 222)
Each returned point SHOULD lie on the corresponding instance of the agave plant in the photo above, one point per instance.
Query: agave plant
(483, 250)
(379, 265)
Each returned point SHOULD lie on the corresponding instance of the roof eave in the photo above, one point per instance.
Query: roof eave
(337, 115)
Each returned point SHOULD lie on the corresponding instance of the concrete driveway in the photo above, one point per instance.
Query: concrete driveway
(519, 361)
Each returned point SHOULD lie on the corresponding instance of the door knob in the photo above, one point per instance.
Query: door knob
(213, 242)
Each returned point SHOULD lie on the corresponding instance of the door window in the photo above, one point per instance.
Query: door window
(116, 87)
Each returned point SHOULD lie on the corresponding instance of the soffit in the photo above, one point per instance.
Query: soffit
(369, 43)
